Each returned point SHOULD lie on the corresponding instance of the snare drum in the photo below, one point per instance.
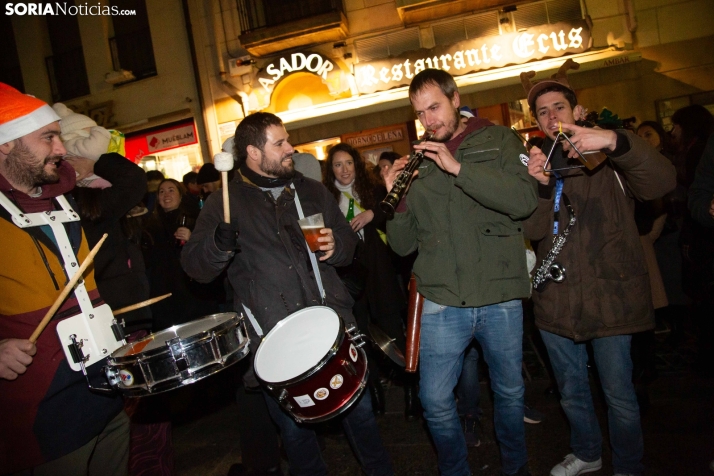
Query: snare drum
(312, 365)
(178, 356)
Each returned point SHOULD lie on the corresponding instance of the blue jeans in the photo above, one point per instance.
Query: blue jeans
(468, 390)
(446, 332)
(614, 365)
(303, 450)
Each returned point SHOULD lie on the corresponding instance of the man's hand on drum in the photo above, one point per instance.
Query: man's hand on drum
(536, 165)
(328, 243)
(15, 357)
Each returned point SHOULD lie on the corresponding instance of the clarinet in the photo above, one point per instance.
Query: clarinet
(549, 270)
(399, 188)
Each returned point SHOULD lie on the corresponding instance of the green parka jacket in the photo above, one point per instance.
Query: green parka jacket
(468, 228)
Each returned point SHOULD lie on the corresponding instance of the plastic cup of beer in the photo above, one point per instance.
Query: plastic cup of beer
(311, 227)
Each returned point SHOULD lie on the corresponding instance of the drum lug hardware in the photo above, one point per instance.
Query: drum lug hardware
(75, 349)
(350, 368)
(118, 331)
(356, 337)
(181, 361)
(283, 399)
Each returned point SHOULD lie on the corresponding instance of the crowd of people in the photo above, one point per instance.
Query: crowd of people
(623, 249)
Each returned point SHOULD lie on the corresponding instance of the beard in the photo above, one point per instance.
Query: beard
(277, 169)
(450, 128)
(23, 169)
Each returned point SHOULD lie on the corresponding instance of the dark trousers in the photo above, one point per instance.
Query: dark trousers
(259, 446)
(360, 426)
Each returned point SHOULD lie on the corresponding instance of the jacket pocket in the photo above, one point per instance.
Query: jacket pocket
(623, 292)
(480, 155)
(503, 251)
(620, 271)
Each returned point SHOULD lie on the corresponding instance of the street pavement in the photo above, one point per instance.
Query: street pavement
(678, 426)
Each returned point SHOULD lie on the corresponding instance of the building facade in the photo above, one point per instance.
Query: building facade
(133, 73)
(179, 75)
(339, 70)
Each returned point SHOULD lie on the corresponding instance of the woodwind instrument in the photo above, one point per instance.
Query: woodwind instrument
(401, 183)
(416, 303)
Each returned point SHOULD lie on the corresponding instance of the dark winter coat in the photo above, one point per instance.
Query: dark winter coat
(606, 291)
(189, 300)
(119, 265)
(271, 272)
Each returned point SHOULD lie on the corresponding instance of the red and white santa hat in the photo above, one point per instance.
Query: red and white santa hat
(21, 114)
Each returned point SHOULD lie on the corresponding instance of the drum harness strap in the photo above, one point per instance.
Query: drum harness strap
(315, 269)
(56, 220)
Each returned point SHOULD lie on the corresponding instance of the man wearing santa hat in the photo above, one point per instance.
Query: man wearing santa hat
(52, 424)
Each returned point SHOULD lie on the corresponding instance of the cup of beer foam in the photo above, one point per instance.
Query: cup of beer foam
(311, 227)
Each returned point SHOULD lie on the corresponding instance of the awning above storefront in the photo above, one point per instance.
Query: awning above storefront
(469, 83)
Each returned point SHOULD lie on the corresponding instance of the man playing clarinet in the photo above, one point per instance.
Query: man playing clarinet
(463, 213)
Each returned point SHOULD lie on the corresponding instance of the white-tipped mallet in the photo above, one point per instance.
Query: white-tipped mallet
(223, 161)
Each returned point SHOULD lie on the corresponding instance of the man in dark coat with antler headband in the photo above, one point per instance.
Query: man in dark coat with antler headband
(605, 295)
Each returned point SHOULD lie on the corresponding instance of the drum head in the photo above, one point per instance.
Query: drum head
(297, 344)
(158, 339)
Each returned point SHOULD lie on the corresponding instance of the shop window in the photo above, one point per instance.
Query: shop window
(10, 72)
(667, 107)
(265, 13)
(319, 148)
(131, 47)
(487, 24)
(384, 46)
(66, 68)
(299, 91)
(563, 10)
(474, 26)
(530, 15)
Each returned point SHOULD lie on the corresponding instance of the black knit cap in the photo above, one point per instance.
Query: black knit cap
(208, 173)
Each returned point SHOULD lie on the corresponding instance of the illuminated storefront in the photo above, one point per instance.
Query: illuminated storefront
(323, 101)
(171, 149)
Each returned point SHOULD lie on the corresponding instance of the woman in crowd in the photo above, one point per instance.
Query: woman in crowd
(168, 230)
(372, 279)
(654, 133)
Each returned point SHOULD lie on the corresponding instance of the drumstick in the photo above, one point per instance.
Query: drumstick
(226, 207)
(141, 304)
(67, 289)
(223, 161)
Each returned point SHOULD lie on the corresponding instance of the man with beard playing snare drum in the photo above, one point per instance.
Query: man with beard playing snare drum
(268, 265)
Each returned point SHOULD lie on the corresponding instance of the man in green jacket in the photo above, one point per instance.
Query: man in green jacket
(463, 214)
